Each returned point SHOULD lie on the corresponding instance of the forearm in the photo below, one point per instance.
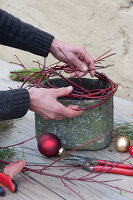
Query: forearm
(14, 103)
(17, 34)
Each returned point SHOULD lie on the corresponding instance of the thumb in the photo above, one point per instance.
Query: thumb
(63, 91)
(79, 64)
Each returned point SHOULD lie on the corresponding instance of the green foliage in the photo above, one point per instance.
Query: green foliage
(125, 129)
(22, 72)
(5, 124)
(6, 155)
(120, 192)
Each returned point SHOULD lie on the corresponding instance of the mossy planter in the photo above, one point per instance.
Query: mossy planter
(90, 125)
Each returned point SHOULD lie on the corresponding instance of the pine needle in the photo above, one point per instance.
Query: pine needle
(7, 155)
(125, 129)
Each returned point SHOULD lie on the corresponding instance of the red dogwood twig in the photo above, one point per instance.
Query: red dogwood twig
(79, 91)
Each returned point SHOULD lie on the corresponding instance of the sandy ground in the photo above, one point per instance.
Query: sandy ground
(98, 25)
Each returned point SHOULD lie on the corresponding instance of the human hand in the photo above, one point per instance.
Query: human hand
(44, 102)
(75, 56)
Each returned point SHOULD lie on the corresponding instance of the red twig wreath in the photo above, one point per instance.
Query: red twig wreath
(79, 91)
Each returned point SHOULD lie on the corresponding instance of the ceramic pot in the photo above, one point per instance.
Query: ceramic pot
(90, 125)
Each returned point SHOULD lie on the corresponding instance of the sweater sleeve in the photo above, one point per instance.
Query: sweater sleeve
(14, 103)
(17, 34)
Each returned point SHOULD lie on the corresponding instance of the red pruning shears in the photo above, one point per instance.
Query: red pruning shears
(98, 165)
(6, 178)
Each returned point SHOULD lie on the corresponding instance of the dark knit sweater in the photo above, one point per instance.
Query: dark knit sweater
(17, 34)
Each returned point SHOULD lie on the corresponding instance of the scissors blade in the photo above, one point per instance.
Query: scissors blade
(72, 162)
(83, 158)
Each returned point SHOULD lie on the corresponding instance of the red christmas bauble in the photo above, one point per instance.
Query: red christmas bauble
(49, 145)
(131, 150)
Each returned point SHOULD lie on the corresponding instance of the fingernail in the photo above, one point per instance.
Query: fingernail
(85, 68)
(70, 87)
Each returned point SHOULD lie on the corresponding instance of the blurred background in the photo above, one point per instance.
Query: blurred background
(98, 25)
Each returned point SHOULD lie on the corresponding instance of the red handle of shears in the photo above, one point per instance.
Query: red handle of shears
(114, 170)
(8, 182)
(109, 163)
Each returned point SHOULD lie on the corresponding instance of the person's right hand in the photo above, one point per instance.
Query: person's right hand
(75, 56)
(44, 102)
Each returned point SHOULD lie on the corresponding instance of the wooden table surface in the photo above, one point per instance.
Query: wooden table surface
(48, 188)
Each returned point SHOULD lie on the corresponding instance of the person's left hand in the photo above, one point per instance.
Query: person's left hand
(75, 56)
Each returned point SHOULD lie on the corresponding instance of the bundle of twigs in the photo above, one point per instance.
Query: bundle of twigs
(79, 91)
